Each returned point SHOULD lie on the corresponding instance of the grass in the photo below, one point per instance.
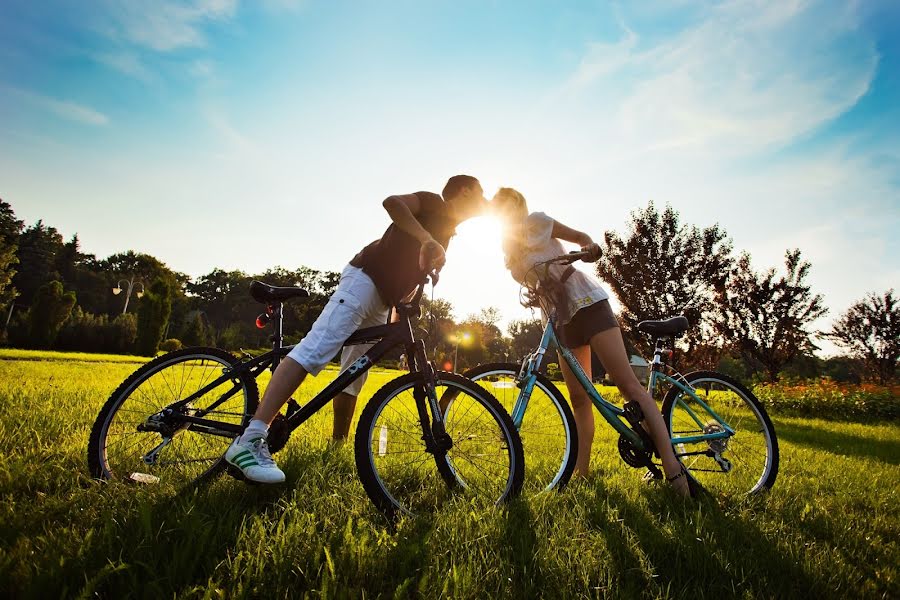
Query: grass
(829, 529)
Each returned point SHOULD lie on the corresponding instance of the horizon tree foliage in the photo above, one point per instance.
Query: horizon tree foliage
(525, 335)
(39, 246)
(153, 315)
(870, 331)
(10, 230)
(50, 308)
(765, 318)
(661, 267)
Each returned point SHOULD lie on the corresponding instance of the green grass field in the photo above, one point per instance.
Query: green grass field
(830, 528)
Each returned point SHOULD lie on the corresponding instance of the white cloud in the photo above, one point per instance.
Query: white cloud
(71, 111)
(750, 75)
(167, 25)
(127, 63)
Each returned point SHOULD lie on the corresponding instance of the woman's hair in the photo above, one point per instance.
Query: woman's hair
(512, 204)
(510, 199)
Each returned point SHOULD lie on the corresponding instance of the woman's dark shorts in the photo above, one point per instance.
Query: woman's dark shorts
(587, 322)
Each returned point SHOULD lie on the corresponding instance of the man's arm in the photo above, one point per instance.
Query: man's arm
(403, 210)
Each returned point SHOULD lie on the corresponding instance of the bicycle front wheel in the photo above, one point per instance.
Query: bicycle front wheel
(745, 462)
(140, 436)
(548, 431)
(401, 477)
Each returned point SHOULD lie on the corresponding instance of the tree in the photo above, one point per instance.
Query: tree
(38, 247)
(525, 336)
(439, 327)
(765, 319)
(870, 331)
(153, 314)
(485, 342)
(196, 333)
(49, 310)
(661, 268)
(10, 230)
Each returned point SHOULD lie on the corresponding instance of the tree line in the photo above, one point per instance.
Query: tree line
(746, 322)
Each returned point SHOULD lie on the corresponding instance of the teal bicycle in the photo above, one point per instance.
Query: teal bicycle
(719, 430)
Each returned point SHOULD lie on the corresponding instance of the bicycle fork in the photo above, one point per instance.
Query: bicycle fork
(434, 433)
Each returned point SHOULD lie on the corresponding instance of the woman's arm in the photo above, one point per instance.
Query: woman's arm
(568, 234)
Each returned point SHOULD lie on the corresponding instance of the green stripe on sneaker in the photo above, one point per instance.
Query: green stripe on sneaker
(250, 461)
(240, 454)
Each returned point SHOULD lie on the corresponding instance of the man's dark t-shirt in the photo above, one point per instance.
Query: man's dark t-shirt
(393, 261)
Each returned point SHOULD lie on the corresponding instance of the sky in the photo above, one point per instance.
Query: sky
(245, 135)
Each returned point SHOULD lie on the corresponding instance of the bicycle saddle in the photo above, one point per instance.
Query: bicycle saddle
(263, 292)
(669, 326)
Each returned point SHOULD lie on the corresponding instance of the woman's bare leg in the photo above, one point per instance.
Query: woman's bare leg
(610, 348)
(581, 407)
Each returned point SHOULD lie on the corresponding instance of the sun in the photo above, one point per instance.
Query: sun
(475, 276)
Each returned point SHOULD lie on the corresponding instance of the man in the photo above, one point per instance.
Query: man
(382, 274)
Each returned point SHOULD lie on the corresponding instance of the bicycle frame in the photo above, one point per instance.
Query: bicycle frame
(385, 338)
(612, 413)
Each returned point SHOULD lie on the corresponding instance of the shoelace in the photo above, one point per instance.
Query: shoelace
(261, 451)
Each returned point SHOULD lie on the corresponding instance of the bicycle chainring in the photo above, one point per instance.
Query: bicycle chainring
(279, 434)
(633, 456)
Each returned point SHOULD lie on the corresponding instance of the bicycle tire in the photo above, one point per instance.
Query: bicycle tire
(551, 458)
(149, 390)
(752, 452)
(487, 465)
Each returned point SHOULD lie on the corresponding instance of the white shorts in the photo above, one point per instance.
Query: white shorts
(354, 305)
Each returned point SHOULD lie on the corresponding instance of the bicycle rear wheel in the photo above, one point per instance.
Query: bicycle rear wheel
(548, 431)
(743, 463)
(138, 435)
(401, 477)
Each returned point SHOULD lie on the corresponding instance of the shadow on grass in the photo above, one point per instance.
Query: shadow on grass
(887, 451)
(693, 548)
(518, 545)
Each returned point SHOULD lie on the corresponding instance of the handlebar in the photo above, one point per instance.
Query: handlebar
(567, 259)
(417, 297)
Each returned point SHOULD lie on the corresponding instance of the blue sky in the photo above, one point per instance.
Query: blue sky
(241, 135)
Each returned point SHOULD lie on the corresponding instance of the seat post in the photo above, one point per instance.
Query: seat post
(277, 335)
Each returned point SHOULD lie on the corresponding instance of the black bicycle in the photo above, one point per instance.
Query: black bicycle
(171, 421)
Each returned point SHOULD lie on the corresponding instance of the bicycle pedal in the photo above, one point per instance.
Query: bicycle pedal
(652, 475)
(233, 471)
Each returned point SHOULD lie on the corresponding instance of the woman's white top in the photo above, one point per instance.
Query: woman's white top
(539, 245)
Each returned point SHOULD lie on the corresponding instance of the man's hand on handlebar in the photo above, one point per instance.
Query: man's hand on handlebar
(431, 256)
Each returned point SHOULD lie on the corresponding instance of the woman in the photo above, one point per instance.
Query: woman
(586, 323)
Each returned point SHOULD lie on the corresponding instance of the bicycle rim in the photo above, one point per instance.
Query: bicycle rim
(547, 431)
(743, 463)
(482, 464)
(183, 454)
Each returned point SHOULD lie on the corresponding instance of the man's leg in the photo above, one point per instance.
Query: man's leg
(344, 407)
(340, 318)
(285, 380)
(345, 403)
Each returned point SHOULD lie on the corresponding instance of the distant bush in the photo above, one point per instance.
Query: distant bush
(553, 372)
(51, 307)
(85, 332)
(827, 399)
(170, 345)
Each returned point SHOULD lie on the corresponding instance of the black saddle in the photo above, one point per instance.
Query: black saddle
(671, 326)
(263, 292)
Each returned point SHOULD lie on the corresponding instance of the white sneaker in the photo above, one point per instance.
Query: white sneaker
(254, 461)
